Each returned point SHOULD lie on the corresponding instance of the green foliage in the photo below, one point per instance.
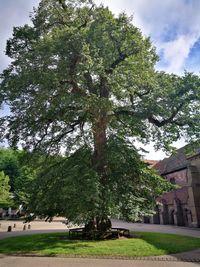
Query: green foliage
(9, 164)
(81, 84)
(5, 196)
(66, 187)
(71, 187)
(15, 166)
(53, 84)
(133, 185)
(59, 65)
(23, 183)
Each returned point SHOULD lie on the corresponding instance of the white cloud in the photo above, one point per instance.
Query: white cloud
(172, 25)
(176, 52)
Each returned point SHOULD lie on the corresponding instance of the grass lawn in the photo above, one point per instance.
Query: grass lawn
(149, 244)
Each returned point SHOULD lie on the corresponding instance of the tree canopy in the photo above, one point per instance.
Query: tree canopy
(82, 83)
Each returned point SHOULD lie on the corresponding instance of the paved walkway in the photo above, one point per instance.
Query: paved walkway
(170, 229)
(37, 227)
(58, 226)
(80, 262)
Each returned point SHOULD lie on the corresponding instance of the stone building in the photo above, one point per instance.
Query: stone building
(182, 206)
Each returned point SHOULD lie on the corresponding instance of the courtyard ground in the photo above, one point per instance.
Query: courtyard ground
(176, 260)
(58, 226)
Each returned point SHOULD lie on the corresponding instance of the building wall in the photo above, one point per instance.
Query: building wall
(179, 176)
(182, 206)
(194, 189)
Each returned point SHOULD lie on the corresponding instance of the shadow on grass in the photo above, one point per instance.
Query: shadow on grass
(147, 244)
(40, 243)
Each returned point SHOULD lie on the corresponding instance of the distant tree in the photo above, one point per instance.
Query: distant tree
(82, 83)
(9, 164)
(5, 196)
(14, 164)
(23, 184)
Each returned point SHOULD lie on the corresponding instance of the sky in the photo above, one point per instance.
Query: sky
(173, 26)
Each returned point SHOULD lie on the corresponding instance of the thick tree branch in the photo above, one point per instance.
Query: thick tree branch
(121, 58)
(122, 55)
(71, 128)
(89, 83)
(118, 61)
(74, 60)
(152, 119)
(171, 120)
(61, 136)
(84, 24)
(42, 137)
(104, 91)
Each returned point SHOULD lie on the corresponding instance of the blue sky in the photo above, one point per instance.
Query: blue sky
(173, 25)
(174, 28)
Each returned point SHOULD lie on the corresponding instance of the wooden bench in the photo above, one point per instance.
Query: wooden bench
(121, 231)
(79, 233)
(75, 232)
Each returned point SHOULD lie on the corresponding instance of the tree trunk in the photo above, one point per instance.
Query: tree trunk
(99, 133)
(101, 222)
(99, 157)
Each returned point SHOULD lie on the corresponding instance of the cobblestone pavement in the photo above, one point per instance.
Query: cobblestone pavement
(85, 262)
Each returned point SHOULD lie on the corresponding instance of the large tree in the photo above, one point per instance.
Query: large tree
(82, 83)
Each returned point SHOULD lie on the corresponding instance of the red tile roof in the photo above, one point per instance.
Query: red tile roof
(151, 162)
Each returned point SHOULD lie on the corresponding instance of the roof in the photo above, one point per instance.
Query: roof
(151, 162)
(176, 162)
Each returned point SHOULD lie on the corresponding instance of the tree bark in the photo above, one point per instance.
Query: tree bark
(99, 157)
(100, 140)
(100, 124)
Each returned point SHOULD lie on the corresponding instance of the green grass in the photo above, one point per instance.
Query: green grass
(149, 244)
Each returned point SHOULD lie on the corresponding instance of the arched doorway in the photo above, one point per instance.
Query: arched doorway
(165, 213)
(171, 217)
(156, 217)
(187, 217)
(179, 213)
